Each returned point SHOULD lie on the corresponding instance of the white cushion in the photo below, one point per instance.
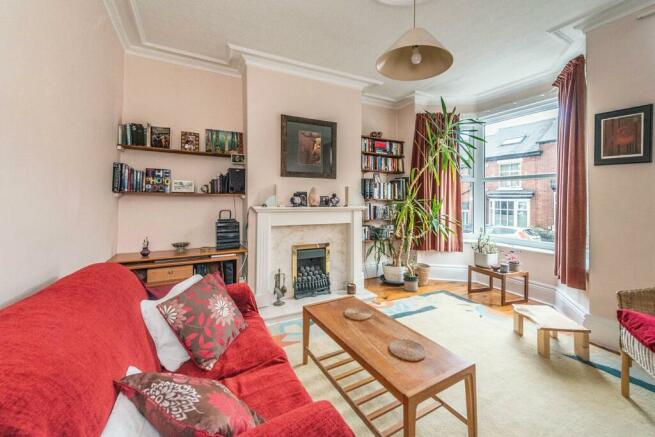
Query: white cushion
(170, 351)
(125, 420)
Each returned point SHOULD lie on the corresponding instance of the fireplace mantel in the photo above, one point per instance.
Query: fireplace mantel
(269, 218)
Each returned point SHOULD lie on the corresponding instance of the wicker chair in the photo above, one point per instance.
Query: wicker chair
(642, 300)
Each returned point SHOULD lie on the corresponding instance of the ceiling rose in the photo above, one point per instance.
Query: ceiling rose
(416, 55)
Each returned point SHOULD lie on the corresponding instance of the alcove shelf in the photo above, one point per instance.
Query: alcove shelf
(125, 148)
(147, 193)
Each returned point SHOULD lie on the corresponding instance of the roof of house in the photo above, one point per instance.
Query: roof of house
(522, 140)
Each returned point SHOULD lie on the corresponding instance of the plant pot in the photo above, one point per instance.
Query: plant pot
(411, 283)
(393, 274)
(423, 273)
(485, 260)
(514, 267)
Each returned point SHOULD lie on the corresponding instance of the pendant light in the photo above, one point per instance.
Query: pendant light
(415, 55)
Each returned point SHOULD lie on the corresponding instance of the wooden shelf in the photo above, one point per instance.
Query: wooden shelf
(383, 139)
(386, 155)
(383, 200)
(134, 260)
(375, 220)
(146, 193)
(123, 148)
(382, 171)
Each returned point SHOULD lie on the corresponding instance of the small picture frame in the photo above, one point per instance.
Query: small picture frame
(303, 197)
(325, 201)
(190, 141)
(160, 137)
(238, 159)
(624, 136)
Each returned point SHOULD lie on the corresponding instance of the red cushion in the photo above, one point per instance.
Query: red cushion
(270, 390)
(63, 347)
(243, 297)
(253, 347)
(182, 405)
(640, 325)
(205, 319)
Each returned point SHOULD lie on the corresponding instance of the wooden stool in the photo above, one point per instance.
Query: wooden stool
(503, 282)
(550, 322)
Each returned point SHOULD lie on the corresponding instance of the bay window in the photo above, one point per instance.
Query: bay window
(511, 191)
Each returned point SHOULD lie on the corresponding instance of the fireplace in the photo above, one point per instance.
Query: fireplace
(310, 267)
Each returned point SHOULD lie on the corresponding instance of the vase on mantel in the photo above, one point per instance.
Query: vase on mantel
(314, 199)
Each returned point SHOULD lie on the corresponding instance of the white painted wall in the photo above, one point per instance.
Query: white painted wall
(61, 76)
(620, 74)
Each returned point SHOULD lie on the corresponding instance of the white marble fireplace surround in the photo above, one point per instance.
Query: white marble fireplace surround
(280, 228)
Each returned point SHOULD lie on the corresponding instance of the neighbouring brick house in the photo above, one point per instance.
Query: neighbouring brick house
(528, 149)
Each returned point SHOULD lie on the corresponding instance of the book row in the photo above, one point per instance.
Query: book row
(396, 189)
(216, 141)
(377, 232)
(382, 163)
(379, 146)
(379, 212)
(150, 180)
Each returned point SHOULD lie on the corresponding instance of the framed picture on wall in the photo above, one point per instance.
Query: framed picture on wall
(624, 136)
(309, 148)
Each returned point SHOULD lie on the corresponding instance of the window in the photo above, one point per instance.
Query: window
(511, 191)
(509, 168)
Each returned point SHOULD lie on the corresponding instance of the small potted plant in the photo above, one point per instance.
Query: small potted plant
(411, 281)
(485, 251)
(513, 260)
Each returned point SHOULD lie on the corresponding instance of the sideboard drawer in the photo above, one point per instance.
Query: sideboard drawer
(169, 274)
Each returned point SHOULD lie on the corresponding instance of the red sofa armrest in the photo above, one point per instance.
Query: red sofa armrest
(318, 419)
(243, 297)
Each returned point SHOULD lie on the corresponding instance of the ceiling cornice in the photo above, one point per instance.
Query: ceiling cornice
(617, 11)
(269, 61)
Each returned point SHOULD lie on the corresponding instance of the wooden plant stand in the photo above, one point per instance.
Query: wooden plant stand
(410, 383)
(550, 322)
(503, 283)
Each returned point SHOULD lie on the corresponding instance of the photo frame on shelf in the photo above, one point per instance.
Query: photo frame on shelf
(160, 137)
(190, 141)
(624, 136)
(308, 148)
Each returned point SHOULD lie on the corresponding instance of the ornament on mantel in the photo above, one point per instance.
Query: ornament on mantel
(145, 251)
(314, 198)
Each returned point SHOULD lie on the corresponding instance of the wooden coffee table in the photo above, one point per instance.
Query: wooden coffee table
(366, 342)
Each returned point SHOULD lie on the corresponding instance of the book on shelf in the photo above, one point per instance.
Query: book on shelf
(382, 163)
(132, 134)
(126, 179)
(379, 212)
(372, 145)
(395, 189)
(383, 232)
(158, 180)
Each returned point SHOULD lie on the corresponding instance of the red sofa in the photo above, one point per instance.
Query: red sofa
(62, 347)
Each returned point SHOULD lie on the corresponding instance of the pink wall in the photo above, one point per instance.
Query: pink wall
(61, 76)
(377, 118)
(620, 74)
(181, 98)
(271, 94)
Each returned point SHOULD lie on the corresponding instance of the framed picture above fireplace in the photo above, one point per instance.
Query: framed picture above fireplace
(309, 148)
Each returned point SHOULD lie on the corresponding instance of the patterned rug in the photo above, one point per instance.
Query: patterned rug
(519, 393)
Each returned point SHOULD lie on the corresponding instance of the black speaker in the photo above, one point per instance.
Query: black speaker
(229, 272)
(236, 180)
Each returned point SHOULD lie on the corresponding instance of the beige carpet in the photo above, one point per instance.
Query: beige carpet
(519, 393)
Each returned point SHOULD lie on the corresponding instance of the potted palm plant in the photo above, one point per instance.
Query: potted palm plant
(449, 144)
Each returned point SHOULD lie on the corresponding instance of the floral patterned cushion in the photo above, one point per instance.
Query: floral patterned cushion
(205, 319)
(185, 406)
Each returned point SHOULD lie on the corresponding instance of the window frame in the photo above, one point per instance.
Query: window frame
(477, 178)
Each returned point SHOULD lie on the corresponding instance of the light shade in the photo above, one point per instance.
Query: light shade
(396, 62)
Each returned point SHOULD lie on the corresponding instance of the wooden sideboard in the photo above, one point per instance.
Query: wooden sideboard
(164, 267)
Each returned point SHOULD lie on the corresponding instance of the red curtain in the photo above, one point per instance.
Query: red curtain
(449, 191)
(571, 213)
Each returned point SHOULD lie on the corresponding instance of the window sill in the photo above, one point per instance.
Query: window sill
(522, 248)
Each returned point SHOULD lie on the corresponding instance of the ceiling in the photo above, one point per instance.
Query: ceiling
(496, 44)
